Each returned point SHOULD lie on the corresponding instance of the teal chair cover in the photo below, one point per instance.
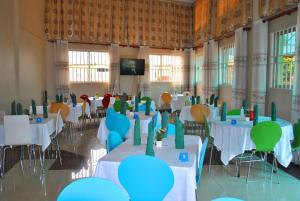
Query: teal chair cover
(201, 160)
(114, 139)
(145, 178)
(119, 123)
(92, 189)
(227, 199)
(109, 111)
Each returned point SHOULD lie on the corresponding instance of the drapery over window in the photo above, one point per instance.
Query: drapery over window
(271, 7)
(126, 22)
(216, 18)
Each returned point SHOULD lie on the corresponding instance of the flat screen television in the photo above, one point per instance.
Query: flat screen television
(132, 66)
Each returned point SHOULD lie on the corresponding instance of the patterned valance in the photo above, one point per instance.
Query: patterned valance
(216, 18)
(271, 7)
(154, 23)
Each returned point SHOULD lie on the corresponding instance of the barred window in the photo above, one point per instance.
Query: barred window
(226, 64)
(165, 68)
(88, 66)
(283, 58)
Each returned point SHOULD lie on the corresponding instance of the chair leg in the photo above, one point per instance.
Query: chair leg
(248, 173)
(58, 149)
(211, 151)
(276, 168)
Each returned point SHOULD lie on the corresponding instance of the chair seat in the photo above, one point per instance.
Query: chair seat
(295, 148)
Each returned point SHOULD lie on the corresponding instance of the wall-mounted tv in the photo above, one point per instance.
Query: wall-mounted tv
(132, 66)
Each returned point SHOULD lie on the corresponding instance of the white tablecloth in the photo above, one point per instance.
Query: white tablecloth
(40, 131)
(76, 112)
(145, 120)
(185, 113)
(184, 172)
(233, 140)
(97, 102)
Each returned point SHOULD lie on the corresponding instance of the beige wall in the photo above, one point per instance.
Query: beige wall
(22, 52)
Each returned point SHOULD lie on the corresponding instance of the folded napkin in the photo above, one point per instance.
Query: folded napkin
(193, 100)
(57, 98)
(45, 111)
(73, 99)
(136, 104)
(123, 107)
(206, 101)
(165, 122)
(137, 132)
(45, 97)
(148, 105)
(255, 120)
(19, 109)
(179, 134)
(33, 105)
(216, 101)
(245, 104)
(212, 98)
(150, 140)
(198, 99)
(13, 108)
(273, 112)
(61, 98)
(224, 112)
(139, 96)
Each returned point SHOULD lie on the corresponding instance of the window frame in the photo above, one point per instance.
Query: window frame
(221, 68)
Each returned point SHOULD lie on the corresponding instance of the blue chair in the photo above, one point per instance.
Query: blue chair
(145, 178)
(109, 111)
(201, 160)
(227, 199)
(119, 123)
(91, 189)
(113, 140)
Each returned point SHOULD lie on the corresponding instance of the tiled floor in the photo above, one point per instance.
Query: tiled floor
(219, 182)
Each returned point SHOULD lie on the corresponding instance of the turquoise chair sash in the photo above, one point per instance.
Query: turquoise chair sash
(119, 123)
(113, 140)
(201, 160)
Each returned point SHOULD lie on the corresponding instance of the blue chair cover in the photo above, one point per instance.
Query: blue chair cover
(113, 140)
(92, 189)
(227, 199)
(109, 111)
(145, 178)
(201, 161)
(119, 123)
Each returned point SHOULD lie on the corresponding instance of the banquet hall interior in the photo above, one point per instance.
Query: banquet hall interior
(150, 100)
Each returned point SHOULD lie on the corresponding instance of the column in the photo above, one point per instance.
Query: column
(144, 81)
(212, 68)
(205, 69)
(186, 70)
(114, 68)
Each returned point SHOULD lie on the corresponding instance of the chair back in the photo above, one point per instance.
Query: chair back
(39, 110)
(114, 139)
(58, 124)
(117, 105)
(234, 112)
(227, 199)
(201, 160)
(119, 123)
(146, 98)
(296, 142)
(199, 111)
(65, 109)
(166, 98)
(265, 135)
(105, 101)
(91, 189)
(145, 178)
(17, 130)
(110, 111)
(206, 127)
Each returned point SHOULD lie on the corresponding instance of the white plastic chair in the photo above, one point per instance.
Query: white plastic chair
(17, 132)
(56, 136)
(39, 110)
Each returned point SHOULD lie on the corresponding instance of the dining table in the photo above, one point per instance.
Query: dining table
(232, 138)
(184, 171)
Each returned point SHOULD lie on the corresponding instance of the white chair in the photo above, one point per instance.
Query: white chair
(39, 110)
(56, 136)
(17, 132)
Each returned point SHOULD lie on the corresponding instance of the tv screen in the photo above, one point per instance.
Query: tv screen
(132, 66)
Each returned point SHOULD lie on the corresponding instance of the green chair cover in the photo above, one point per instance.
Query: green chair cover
(117, 105)
(33, 105)
(256, 113)
(224, 112)
(179, 134)
(150, 140)
(198, 100)
(146, 98)
(148, 107)
(19, 109)
(273, 112)
(234, 112)
(137, 132)
(13, 108)
(212, 98)
(296, 142)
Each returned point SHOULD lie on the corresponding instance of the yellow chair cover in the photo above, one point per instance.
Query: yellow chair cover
(64, 109)
(199, 112)
(166, 98)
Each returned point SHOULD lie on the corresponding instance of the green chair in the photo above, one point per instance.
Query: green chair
(117, 106)
(146, 98)
(265, 136)
(234, 112)
(296, 142)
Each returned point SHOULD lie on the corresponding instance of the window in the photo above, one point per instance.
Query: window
(283, 58)
(88, 66)
(226, 64)
(165, 68)
(199, 67)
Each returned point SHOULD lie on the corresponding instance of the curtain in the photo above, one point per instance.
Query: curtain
(145, 80)
(62, 67)
(127, 22)
(296, 89)
(205, 72)
(178, 70)
(114, 69)
(192, 72)
(186, 69)
(240, 71)
(259, 64)
(271, 7)
(212, 68)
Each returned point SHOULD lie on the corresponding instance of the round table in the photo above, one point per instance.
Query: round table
(233, 140)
